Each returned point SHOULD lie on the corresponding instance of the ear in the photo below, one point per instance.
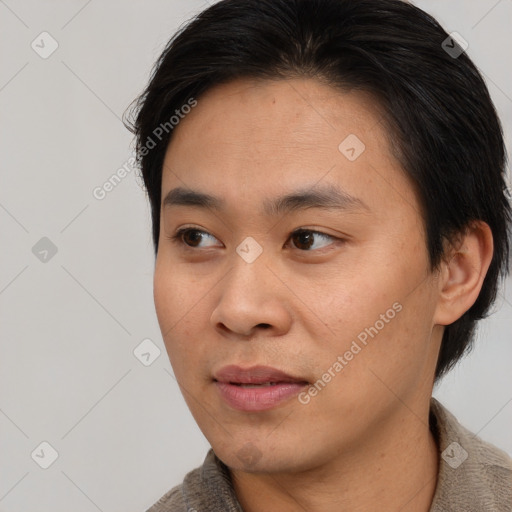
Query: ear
(462, 273)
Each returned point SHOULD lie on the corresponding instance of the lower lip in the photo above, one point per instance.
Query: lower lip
(258, 398)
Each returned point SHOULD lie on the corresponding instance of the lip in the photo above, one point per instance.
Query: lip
(231, 381)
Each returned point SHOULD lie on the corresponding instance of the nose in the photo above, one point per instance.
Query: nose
(251, 299)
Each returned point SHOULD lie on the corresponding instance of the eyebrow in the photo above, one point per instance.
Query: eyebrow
(326, 197)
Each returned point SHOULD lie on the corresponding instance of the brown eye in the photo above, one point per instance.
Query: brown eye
(304, 239)
(192, 237)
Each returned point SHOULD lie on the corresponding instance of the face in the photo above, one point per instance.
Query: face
(296, 304)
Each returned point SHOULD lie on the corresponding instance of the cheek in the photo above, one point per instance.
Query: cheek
(380, 311)
(175, 293)
(173, 301)
(183, 309)
(398, 353)
(354, 301)
(164, 295)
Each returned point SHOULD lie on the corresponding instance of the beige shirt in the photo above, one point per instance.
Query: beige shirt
(474, 476)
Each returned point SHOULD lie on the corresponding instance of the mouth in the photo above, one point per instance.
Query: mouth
(257, 388)
(264, 384)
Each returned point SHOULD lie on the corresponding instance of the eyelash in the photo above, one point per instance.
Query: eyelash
(178, 237)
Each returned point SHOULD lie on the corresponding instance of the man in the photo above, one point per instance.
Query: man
(330, 221)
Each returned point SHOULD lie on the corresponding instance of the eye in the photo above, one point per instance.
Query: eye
(305, 239)
(191, 237)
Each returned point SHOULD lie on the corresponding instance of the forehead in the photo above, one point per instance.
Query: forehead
(303, 110)
(250, 138)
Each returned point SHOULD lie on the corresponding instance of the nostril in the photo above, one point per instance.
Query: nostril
(265, 326)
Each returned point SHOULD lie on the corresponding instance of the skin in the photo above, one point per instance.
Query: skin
(363, 442)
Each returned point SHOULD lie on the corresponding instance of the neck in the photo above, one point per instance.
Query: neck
(395, 469)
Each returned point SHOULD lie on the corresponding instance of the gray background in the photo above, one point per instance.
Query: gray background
(69, 324)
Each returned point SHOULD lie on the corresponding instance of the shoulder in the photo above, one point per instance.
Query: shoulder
(473, 475)
(207, 488)
(172, 501)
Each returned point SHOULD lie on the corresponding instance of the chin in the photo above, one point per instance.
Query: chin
(254, 457)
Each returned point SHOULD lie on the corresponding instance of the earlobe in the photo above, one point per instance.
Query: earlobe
(462, 273)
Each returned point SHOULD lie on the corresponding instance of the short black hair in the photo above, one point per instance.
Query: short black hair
(442, 123)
